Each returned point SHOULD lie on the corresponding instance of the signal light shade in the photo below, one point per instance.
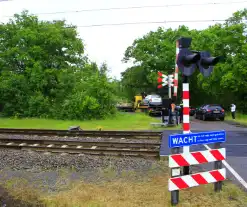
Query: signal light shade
(206, 63)
(187, 60)
(184, 42)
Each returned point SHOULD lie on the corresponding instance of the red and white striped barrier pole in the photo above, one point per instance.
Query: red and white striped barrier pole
(186, 118)
(186, 111)
(176, 71)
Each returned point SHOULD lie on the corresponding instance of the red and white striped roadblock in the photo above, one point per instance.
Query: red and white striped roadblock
(197, 179)
(195, 158)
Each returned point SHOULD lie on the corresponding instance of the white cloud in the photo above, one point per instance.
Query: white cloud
(109, 43)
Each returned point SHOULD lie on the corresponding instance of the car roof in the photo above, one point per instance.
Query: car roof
(154, 95)
(213, 105)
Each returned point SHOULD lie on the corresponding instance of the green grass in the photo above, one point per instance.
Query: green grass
(240, 118)
(122, 121)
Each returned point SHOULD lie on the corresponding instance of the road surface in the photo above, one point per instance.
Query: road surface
(236, 144)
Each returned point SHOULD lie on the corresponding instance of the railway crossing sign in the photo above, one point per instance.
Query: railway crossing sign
(164, 80)
(180, 140)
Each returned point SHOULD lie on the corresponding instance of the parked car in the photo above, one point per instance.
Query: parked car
(192, 111)
(152, 100)
(210, 111)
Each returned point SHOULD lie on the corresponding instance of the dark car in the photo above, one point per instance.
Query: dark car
(192, 111)
(210, 111)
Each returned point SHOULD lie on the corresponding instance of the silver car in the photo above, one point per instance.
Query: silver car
(153, 99)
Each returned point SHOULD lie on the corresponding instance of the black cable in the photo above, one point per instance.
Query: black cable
(138, 7)
(154, 22)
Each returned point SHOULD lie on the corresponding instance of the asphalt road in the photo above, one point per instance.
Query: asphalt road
(236, 144)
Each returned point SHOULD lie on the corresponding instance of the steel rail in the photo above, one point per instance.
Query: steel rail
(83, 147)
(81, 142)
(85, 133)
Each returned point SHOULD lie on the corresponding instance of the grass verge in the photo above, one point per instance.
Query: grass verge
(240, 118)
(126, 192)
(122, 121)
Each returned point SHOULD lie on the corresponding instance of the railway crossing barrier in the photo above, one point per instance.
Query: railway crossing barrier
(177, 160)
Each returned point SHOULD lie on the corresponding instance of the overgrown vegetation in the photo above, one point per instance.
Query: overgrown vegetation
(155, 51)
(45, 74)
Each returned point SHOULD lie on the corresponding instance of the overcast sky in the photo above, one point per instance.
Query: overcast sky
(108, 43)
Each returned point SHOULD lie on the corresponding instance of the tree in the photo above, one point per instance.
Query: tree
(44, 72)
(151, 53)
(155, 51)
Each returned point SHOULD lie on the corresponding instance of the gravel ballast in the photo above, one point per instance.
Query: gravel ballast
(46, 168)
(6, 136)
(33, 160)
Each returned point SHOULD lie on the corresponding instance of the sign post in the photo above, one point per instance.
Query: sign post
(176, 160)
(175, 172)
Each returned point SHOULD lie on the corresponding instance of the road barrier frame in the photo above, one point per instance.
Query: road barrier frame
(216, 176)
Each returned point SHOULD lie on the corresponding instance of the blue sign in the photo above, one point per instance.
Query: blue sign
(180, 140)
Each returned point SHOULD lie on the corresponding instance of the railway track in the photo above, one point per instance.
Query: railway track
(84, 133)
(137, 149)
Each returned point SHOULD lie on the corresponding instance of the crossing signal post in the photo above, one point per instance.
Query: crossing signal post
(170, 84)
(164, 80)
(187, 61)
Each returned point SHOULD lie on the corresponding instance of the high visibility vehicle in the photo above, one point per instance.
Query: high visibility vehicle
(134, 106)
(210, 111)
(152, 104)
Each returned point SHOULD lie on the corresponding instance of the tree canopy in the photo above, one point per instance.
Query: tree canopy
(155, 51)
(44, 72)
